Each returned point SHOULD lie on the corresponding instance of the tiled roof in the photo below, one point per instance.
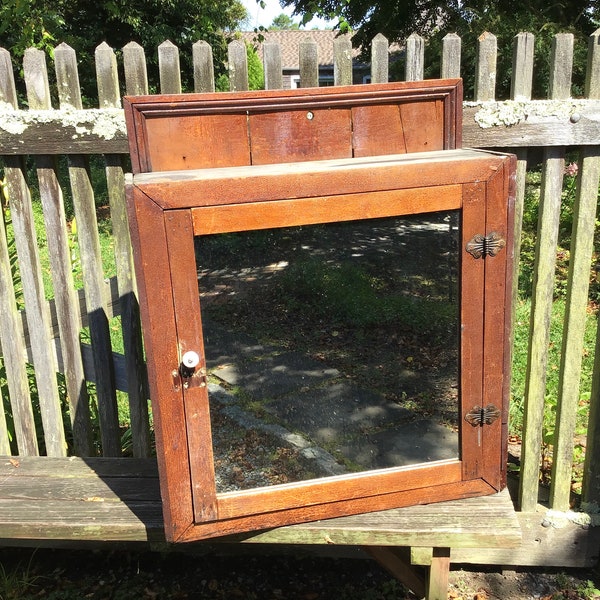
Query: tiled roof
(289, 42)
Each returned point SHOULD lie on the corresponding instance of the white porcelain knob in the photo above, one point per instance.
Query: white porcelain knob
(190, 359)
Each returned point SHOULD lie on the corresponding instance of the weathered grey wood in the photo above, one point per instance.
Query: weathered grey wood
(11, 334)
(342, 60)
(66, 303)
(562, 66)
(380, 59)
(397, 563)
(204, 72)
(4, 436)
(107, 77)
(91, 261)
(522, 69)
(13, 347)
(130, 318)
(485, 68)
(543, 294)
(415, 57)
(237, 66)
(582, 245)
(451, 55)
(309, 63)
(168, 68)
(8, 92)
(37, 312)
(272, 66)
(591, 474)
(136, 73)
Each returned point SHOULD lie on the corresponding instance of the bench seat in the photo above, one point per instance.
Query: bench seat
(56, 501)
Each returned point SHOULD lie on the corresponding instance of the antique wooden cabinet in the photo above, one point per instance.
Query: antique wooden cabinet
(214, 164)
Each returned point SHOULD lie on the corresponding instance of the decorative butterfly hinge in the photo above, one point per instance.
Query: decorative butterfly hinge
(479, 416)
(485, 245)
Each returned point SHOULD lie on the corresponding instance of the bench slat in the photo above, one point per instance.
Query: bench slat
(117, 499)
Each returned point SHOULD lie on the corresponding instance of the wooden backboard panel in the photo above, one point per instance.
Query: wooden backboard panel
(196, 131)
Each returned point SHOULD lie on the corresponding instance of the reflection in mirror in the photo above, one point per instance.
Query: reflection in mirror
(332, 348)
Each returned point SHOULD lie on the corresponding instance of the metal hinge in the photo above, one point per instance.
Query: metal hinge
(479, 416)
(481, 245)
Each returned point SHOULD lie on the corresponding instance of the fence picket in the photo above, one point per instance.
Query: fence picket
(67, 305)
(204, 72)
(543, 285)
(136, 73)
(91, 261)
(485, 68)
(11, 331)
(38, 316)
(308, 63)
(272, 66)
(590, 491)
(380, 59)
(582, 244)
(168, 68)
(238, 66)
(342, 60)
(415, 57)
(108, 94)
(451, 55)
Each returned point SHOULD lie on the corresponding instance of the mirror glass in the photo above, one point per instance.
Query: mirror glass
(331, 349)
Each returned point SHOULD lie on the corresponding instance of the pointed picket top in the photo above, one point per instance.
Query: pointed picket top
(379, 59)
(204, 73)
(168, 68)
(485, 69)
(36, 79)
(451, 55)
(107, 77)
(592, 76)
(415, 57)
(136, 73)
(8, 94)
(342, 60)
(67, 77)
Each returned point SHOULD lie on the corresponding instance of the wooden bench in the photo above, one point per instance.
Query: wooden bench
(57, 502)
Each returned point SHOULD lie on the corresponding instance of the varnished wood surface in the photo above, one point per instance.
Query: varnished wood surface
(319, 178)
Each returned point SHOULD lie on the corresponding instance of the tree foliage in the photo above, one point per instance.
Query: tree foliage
(84, 25)
(283, 22)
(396, 19)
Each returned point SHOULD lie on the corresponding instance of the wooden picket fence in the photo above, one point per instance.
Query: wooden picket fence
(43, 336)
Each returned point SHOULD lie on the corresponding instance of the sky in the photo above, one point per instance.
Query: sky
(264, 16)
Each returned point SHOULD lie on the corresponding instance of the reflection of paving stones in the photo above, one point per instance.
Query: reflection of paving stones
(404, 444)
(336, 411)
(307, 398)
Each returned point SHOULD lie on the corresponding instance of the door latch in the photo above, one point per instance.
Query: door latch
(188, 375)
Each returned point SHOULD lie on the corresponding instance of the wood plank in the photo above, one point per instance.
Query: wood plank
(137, 385)
(485, 68)
(189, 337)
(287, 213)
(451, 53)
(65, 316)
(237, 66)
(314, 178)
(204, 72)
(91, 261)
(169, 71)
(380, 59)
(543, 286)
(306, 134)
(342, 60)
(414, 67)
(272, 66)
(136, 74)
(308, 63)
